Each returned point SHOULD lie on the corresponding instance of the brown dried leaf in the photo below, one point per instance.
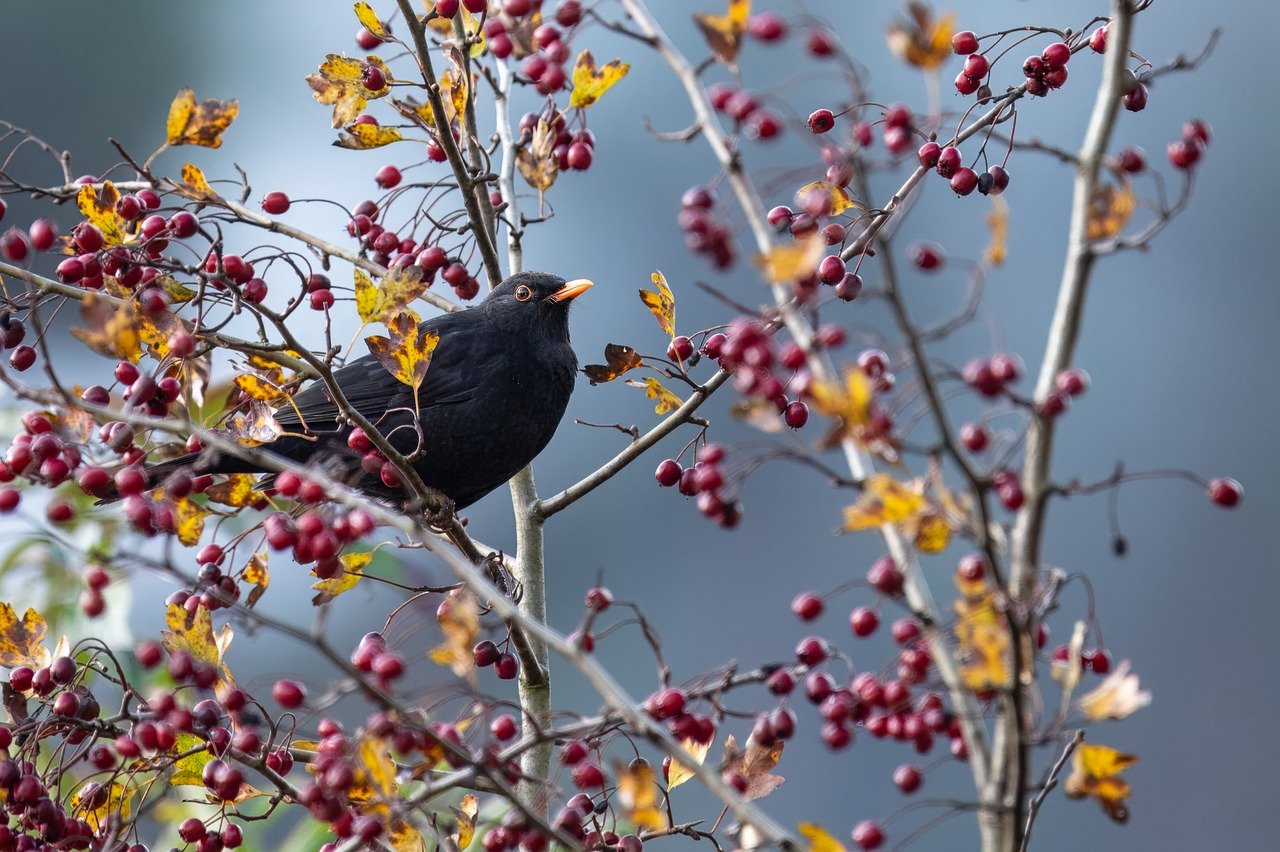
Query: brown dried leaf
(537, 161)
(392, 294)
(235, 491)
(1117, 697)
(619, 359)
(756, 764)
(724, 32)
(256, 426)
(1110, 209)
(407, 353)
(459, 618)
(194, 185)
(256, 575)
(112, 330)
(661, 304)
(998, 221)
(199, 124)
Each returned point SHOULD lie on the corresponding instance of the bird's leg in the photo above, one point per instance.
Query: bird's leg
(495, 566)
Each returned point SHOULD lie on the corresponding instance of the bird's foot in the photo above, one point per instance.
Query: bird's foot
(495, 568)
(443, 514)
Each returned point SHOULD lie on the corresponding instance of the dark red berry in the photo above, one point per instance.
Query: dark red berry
(1225, 492)
(807, 606)
(863, 621)
(821, 121)
(964, 42)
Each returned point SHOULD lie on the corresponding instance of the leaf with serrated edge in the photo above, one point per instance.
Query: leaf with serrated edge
(619, 359)
(203, 123)
(590, 82)
(661, 304)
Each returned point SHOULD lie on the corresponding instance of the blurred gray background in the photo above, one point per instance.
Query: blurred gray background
(1179, 342)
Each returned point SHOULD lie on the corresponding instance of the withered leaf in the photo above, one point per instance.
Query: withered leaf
(100, 211)
(353, 565)
(339, 83)
(1110, 209)
(638, 795)
(724, 32)
(22, 640)
(654, 389)
(203, 123)
(919, 39)
(407, 353)
(619, 359)
(997, 249)
(755, 764)
(538, 164)
(661, 304)
(1095, 771)
(256, 575)
(590, 82)
(459, 618)
(787, 263)
(360, 136)
(111, 330)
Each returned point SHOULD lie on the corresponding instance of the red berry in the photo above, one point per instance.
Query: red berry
(796, 414)
(321, 300)
(964, 42)
(863, 621)
(821, 121)
(42, 233)
(598, 599)
(926, 256)
(1135, 100)
(820, 43)
(1225, 492)
(1055, 56)
(766, 27)
(965, 84)
(948, 161)
(972, 567)
(905, 630)
(976, 66)
(974, 437)
(506, 667)
(928, 154)
(907, 778)
(288, 693)
(1132, 159)
(387, 177)
(1097, 659)
(668, 473)
(485, 653)
(1098, 40)
(868, 835)
(885, 577)
(1196, 130)
(588, 776)
(1072, 382)
(275, 203)
(373, 78)
(964, 181)
(812, 651)
(503, 727)
(1183, 154)
(807, 606)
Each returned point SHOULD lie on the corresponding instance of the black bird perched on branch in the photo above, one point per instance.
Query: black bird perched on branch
(497, 385)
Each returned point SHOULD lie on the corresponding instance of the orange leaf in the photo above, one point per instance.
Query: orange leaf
(1095, 771)
(724, 32)
(235, 491)
(112, 330)
(654, 389)
(203, 123)
(919, 39)
(790, 262)
(1110, 209)
(998, 221)
(459, 618)
(638, 795)
(820, 840)
(661, 304)
(619, 359)
(257, 575)
(21, 641)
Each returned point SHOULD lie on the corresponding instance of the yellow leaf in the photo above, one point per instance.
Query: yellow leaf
(339, 83)
(466, 811)
(1116, 697)
(155, 331)
(661, 304)
(194, 185)
(407, 354)
(837, 195)
(257, 575)
(933, 534)
(189, 520)
(619, 359)
(459, 618)
(99, 804)
(819, 839)
(235, 491)
(589, 82)
(538, 163)
(352, 571)
(360, 136)
(998, 221)
(188, 769)
(1095, 771)
(919, 40)
(112, 330)
(199, 124)
(848, 401)
(392, 295)
(756, 764)
(678, 772)
(22, 642)
(654, 389)
(790, 262)
(470, 26)
(369, 19)
(405, 837)
(884, 501)
(1110, 209)
(100, 211)
(724, 32)
(193, 634)
(982, 642)
(375, 771)
(638, 795)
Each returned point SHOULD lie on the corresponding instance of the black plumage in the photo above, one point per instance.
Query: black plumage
(498, 384)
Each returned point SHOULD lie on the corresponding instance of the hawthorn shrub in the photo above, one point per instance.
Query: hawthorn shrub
(113, 747)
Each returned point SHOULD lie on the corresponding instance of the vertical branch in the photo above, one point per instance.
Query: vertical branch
(859, 462)
(1064, 332)
(529, 569)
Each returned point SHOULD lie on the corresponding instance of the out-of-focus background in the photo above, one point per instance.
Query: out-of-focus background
(1179, 341)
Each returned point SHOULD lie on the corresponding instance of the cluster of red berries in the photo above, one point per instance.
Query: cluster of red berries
(16, 244)
(744, 107)
(703, 480)
(670, 705)
(1186, 152)
(704, 233)
(576, 819)
(389, 249)
(573, 151)
(976, 66)
(1048, 70)
(487, 653)
(42, 820)
(547, 39)
(947, 162)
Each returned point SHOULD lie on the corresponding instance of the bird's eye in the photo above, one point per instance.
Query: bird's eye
(524, 293)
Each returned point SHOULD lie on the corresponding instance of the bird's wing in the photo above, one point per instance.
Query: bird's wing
(372, 391)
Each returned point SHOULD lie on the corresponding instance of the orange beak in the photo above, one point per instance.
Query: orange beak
(570, 290)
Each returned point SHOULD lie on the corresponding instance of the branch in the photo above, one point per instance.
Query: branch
(1050, 782)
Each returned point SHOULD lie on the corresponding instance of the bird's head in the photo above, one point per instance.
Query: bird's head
(530, 299)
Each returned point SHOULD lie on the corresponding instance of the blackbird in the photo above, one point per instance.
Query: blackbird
(494, 393)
